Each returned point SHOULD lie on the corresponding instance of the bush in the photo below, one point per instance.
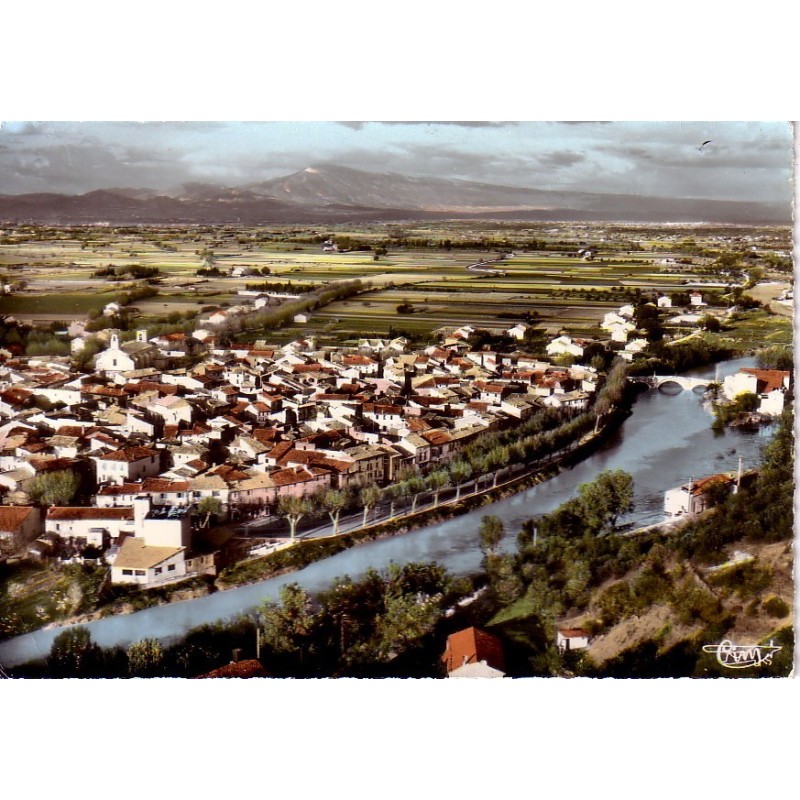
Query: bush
(776, 607)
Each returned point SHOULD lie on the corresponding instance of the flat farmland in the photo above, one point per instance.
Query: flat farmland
(377, 311)
(553, 287)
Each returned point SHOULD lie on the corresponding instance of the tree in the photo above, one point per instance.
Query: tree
(497, 458)
(413, 486)
(73, 654)
(605, 499)
(294, 509)
(145, 659)
(491, 533)
(369, 497)
(436, 482)
(210, 506)
(333, 501)
(55, 488)
(208, 258)
(480, 466)
(709, 323)
(405, 620)
(288, 625)
(505, 583)
(460, 471)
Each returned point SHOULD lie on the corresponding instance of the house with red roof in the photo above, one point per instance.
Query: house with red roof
(127, 464)
(473, 652)
(695, 496)
(568, 639)
(19, 525)
(770, 385)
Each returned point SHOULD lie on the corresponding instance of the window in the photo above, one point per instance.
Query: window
(158, 570)
(170, 568)
(140, 572)
(127, 572)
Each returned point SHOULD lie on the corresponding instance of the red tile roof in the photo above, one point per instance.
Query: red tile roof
(12, 517)
(250, 668)
(471, 646)
(573, 633)
(768, 379)
(129, 454)
(84, 512)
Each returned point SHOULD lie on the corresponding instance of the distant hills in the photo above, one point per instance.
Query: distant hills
(329, 193)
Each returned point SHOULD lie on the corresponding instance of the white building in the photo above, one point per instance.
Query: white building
(563, 345)
(127, 464)
(769, 385)
(664, 301)
(694, 497)
(127, 357)
(518, 331)
(157, 551)
(91, 526)
(696, 299)
(568, 639)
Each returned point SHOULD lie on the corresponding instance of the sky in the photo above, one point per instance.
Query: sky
(743, 161)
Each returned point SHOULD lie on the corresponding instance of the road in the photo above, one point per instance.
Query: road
(313, 529)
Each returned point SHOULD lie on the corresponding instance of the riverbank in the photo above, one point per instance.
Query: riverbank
(666, 438)
(309, 551)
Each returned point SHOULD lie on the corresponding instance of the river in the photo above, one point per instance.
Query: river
(665, 442)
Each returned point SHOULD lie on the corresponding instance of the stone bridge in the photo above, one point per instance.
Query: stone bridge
(686, 383)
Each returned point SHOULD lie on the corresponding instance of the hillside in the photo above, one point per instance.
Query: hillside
(651, 601)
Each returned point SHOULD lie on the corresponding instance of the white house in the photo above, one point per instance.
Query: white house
(127, 464)
(563, 345)
(619, 334)
(694, 497)
(518, 331)
(300, 318)
(632, 348)
(92, 526)
(770, 385)
(664, 301)
(568, 639)
(157, 552)
(696, 299)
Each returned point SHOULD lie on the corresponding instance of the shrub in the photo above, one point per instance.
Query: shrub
(776, 607)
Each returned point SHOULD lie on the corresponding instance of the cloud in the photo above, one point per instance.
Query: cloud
(563, 158)
(357, 126)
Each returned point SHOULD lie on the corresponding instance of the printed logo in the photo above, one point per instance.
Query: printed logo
(742, 656)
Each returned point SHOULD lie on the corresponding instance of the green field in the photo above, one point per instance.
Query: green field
(550, 285)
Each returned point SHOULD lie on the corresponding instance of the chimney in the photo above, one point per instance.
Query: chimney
(141, 335)
(236, 655)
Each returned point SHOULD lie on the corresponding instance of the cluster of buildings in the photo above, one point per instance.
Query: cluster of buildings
(152, 433)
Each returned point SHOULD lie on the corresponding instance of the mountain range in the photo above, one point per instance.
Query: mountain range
(329, 193)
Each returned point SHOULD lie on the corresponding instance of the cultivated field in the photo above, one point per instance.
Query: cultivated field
(443, 275)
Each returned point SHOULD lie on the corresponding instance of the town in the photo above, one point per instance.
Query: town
(258, 430)
(123, 461)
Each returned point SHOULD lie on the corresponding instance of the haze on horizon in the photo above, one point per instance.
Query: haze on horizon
(744, 161)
